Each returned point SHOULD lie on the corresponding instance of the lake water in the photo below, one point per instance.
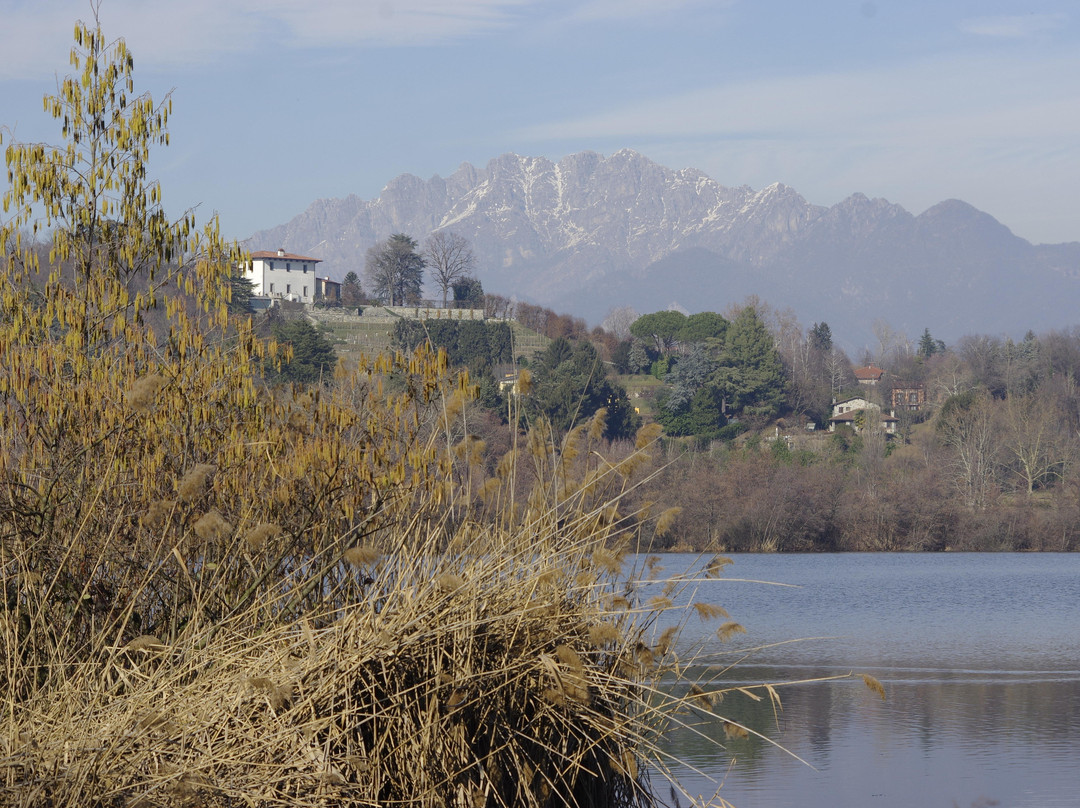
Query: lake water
(979, 655)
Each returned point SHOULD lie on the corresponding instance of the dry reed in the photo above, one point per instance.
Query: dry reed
(500, 662)
(405, 656)
(338, 619)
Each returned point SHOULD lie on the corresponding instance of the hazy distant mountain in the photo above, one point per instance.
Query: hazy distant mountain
(589, 233)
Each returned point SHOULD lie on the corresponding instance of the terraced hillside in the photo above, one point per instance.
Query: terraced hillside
(374, 331)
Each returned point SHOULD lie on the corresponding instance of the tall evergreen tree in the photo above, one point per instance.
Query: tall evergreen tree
(570, 385)
(928, 346)
(241, 291)
(351, 291)
(689, 376)
(313, 356)
(821, 337)
(752, 375)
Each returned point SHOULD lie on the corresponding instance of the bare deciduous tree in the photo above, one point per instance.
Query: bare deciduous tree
(499, 307)
(838, 369)
(1036, 437)
(969, 427)
(893, 345)
(449, 258)
(619, 320)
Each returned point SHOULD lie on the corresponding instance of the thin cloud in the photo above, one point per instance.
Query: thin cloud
(957, 100)
(1019, 26)
(387, 22)
(197, 32)
(617, 10)
(986, 130)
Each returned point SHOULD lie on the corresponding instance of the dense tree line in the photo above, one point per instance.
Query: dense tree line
(542, 320)
(476, 344)
(307, 356)
(711, 367)
(570, 384)
(989, 459)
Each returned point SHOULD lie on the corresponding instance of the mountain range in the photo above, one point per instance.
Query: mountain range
(588, 233)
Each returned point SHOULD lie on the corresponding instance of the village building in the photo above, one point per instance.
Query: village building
(327, 291)
(908, 397)
(858, 413)
(869, 375)
(279, 275)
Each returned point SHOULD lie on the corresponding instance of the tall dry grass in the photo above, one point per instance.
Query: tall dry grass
(213, 592)
(468, 641)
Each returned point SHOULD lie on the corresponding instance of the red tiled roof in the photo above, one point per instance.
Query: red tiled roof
(286, 256)
(869, 372)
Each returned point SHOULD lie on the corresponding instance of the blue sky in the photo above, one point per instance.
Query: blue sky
(280, 102)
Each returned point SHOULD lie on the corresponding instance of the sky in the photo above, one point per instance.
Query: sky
(278, 103)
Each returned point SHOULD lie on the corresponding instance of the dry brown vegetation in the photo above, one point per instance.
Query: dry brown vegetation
(847, 493)
(219, 593)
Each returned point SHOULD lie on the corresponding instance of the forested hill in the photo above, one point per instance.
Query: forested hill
(591, 232)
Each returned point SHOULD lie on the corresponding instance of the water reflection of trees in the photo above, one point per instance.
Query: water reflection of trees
(940, 714)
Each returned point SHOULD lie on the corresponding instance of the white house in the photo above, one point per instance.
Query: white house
(853, 404)
(857, 410)
(283, 275)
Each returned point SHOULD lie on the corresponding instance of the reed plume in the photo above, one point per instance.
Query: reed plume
(874, 685)
(729, 630)
(710, 611)
(193, 483)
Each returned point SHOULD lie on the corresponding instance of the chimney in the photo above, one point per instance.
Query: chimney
(281, 252)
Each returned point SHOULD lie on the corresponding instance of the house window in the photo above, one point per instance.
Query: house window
(271, 265)
(271, 288)
(303, 267)
(288, 266)
(913, 398)
(305, 291)
(288, 288)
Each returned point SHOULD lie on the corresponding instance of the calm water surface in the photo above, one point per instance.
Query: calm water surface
(979, 655)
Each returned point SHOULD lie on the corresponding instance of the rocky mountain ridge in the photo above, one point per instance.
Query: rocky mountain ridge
(590, 232)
